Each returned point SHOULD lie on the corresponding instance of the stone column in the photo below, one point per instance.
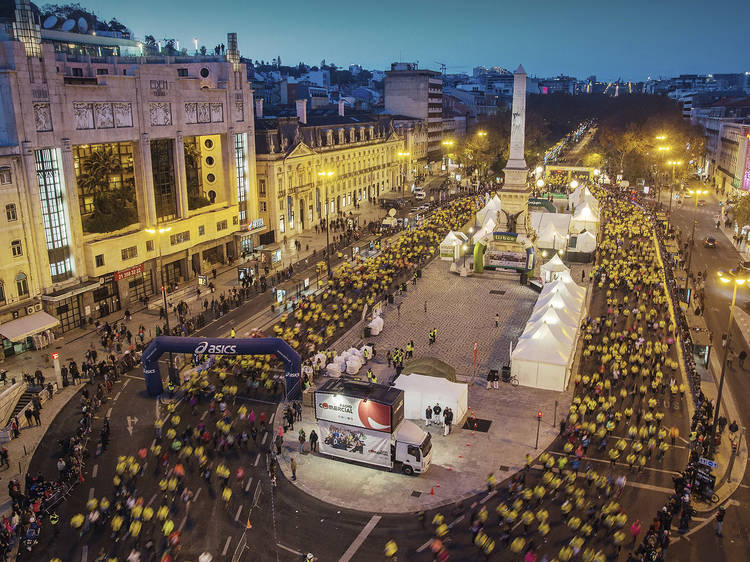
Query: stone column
(515, 169)
(75, 227)
(34, 208)
(146, 183)
(180, 176)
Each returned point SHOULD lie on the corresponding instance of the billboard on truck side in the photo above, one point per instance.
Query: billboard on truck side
(359, 412)
(354, 443)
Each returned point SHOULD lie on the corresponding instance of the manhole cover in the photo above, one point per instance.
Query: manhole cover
(497, 292)
(476, 424)
(416, 494)
(504, 468)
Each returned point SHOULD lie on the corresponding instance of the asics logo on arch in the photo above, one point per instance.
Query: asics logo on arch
(218, 349)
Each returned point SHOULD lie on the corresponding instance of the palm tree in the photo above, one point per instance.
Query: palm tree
(97, 169)
(114, 208)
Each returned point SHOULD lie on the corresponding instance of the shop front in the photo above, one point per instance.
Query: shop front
(137, 279)
(106, 296)
(33, 331)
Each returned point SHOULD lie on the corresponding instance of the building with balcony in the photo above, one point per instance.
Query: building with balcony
(361, 150)
(417, 93)
(728, 152)
(101, 149)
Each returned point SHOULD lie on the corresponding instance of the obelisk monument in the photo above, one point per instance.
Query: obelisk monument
(514, 196)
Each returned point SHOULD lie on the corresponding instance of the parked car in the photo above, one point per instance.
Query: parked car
(710, 242)
(419, 194)
(701, 202)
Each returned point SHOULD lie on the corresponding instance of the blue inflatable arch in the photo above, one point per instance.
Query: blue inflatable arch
(222, 346)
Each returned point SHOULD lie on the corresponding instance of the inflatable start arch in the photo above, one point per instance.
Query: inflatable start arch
(221, 346)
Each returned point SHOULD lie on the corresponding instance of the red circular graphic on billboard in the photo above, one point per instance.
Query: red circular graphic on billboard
(373, 415)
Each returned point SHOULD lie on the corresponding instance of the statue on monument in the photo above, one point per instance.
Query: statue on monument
(512, 220)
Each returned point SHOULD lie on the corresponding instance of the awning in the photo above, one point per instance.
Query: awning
(67, 292)
(20, 328)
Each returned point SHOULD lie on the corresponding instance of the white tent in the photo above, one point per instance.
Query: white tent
(541, 361)
(558, 301)
(582, 195)
(563, 334)
(561, 221)
(448, 246)
(550, 237)
(564, 280)
(571, 296)
(585, 242)
(585, 218)
(485, 231)
(552, 316)
(489, 211)
(553, 267)
(421, 391)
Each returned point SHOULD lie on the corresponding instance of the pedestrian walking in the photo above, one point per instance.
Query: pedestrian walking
(313, 442)
(293, 466)
(720, 520)
(279, 441)
(741, 358)
(497, 320)
(302, 438)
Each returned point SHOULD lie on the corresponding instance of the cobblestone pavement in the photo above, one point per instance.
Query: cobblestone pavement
(463, 311)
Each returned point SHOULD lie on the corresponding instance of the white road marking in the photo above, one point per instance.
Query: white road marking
(132, 377)
(151, 500)
(455, 522)
(203, 417)
(116, 396)
(131, 424)
(91, 493)
(109, 412)
(198, 493)
(84, 553)
(226, 546)
(363, 534)
(257, 459)
(247, 488)
(295, 552)
(182, 524)
(668, 491)
(265, 437)
(237, 515)
(270, 420)
(125, 384)
(488, 496)
(94, 471)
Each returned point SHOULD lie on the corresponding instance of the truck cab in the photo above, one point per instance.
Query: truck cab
(412, 448)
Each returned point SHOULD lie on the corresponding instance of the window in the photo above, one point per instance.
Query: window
(179, 238)
(162, 159)
(54, 216)
(235, 220)
(77, 72)
(99, 260)
(182, 72)
(201, 230)
(10, 212)
(149, 245)
(102, 71)
(129, 253)
(282, 228)
(22, 285)
(211, 178)
(221, 225)
(2, 292)
(209, 160)
(262, 188)
(16, 248)
(5, 176)
(263, 207)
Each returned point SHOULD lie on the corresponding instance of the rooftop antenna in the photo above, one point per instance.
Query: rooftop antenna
(442, 67)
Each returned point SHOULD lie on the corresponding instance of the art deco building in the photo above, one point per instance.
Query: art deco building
(96, 150)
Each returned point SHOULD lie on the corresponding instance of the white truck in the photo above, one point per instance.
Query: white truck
(364, 423)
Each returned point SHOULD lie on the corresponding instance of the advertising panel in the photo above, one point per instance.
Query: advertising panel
(505, 259)
(356, 444)
(357, 412)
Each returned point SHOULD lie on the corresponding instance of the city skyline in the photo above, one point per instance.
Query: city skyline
(672, 40)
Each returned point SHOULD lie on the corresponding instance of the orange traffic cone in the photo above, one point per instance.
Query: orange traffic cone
(248, 525)
(432, 491)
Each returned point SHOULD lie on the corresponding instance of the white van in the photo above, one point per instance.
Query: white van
(419, 193)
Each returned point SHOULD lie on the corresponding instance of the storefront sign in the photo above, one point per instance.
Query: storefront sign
(128, 273)
(504, 236)
(203, 280)
(256, 225)
(108, 278)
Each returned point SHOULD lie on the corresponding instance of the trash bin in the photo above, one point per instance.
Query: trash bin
(391, 300)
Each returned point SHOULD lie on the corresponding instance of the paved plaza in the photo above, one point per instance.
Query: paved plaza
(463, 311)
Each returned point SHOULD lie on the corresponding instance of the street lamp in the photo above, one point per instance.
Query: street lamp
(158, 232)
(661, 137)
(403, 172)
(540, 185)
(695, 193)
(481, 133)
(737, 280)
(324, 176)
(673, 163)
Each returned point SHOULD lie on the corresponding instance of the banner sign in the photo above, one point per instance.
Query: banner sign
(256, 225)
(128, 273)
(358, 412)
(504, 236)
(356, 444)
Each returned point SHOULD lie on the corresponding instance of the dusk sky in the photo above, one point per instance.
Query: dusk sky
(632, 39)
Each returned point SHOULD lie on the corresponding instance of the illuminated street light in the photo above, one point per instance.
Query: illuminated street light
(158, 232)
(481, 133)
(323, 175)
(574, 184)
(661, 137)
(540, 183)
(597, 172)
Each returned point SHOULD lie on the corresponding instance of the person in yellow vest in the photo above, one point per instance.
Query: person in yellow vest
(391, 550)
(232, 333)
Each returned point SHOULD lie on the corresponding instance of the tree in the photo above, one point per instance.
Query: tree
(741, 212)
(593, 160)
(114, 208)
(149, 41)
(203, 50)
